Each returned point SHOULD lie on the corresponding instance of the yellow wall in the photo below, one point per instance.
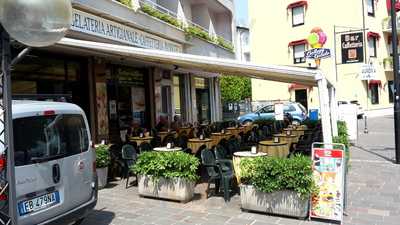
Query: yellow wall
(271, 30)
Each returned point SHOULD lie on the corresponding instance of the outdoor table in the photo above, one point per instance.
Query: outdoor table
(163, 134)
(165, 149)
(237, 156)
(298, 131)
(287, 138)
(217, 137)
(196, 143)
(280, 149)
(140, 140)
(235, 131)
(185, 129)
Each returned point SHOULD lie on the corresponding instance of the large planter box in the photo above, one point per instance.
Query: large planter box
(285, 202)
(102, 176)
(174, 189)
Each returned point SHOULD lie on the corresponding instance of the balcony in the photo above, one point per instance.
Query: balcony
(387, 24)
(190, 28)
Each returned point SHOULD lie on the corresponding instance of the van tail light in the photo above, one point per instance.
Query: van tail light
(49, 112)
(3, 197)
(3, 162)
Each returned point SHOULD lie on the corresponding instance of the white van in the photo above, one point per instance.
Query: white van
(55, 169)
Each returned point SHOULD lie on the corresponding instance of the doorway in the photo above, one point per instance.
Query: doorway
(301, 97)
(203, 100)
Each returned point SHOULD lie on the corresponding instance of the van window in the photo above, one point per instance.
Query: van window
(45, 138)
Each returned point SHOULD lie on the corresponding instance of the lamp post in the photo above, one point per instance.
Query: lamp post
(396, 81)
(35, 23)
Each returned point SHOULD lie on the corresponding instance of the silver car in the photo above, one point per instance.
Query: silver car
(55, 176)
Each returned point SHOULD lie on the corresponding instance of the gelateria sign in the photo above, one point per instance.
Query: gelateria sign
(97, 26)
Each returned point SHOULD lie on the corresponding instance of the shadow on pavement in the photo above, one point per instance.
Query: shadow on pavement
(99, 217)
(377, 154)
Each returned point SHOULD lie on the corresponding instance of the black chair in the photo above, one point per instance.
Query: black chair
(155, 142)
(168, 139)
(216, 174)
(145, 147)
(129, 156)
(182, 141)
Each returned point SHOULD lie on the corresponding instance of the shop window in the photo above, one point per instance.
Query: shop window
(371, 7)
(372, 47)
(298, 16)
(391, 90)
(298, 53)
(374, 88)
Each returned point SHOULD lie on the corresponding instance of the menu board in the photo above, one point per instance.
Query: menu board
(328, 172)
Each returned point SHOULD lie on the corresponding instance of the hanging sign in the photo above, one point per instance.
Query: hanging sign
(328, 173)
(352, 46)
(368, 72)
(318, 53)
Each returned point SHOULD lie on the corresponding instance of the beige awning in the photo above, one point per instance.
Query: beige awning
(288, 74)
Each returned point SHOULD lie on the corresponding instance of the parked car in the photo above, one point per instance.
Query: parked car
(296, 110)
(360, 110)
(55, 170)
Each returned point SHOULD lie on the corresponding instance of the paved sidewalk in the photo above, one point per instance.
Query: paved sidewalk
(374, 187)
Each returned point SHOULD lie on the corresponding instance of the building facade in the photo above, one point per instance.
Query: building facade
(117, 93)
(358, 33)
(242, 43)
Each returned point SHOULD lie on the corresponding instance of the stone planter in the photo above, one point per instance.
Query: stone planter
(174, 189)
(287, 203)
(102, 175)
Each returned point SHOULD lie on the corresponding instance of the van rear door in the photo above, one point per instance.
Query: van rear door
(49, 150)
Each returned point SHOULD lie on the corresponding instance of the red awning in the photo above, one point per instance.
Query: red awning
(297, 4)
(371, 34)
(296, 86)
(389, 5)
(298, 42)
(372, 82)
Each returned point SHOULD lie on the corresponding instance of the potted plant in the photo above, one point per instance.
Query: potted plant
(102, 162)
(167, 175)
(277, 186)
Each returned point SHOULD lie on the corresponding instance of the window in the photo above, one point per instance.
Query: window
(371, 7)
(390, 48)
(372, 46)
(374, 94)
(298, 16)
(298, 53)
(49, 138)
(391, 90)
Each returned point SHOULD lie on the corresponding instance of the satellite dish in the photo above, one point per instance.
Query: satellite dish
(36, 23)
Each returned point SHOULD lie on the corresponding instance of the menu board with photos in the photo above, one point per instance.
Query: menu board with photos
(328, 173)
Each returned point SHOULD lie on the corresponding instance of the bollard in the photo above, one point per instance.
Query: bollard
(365, 125)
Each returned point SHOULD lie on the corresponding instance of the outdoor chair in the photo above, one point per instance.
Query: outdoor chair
(155, 142)
(216, 173)
(182, 141)
(233, 146)
(129, 156)
(168, 139)
(145, 147)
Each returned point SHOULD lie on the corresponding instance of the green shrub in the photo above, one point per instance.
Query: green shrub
(103, 157)
(223, 43)
(162, 16)
(126, 2)
(343, 138)
(167, 165)
(270, 174)
(198, 32)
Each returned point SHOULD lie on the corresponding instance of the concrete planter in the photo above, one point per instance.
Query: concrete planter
(174, 189)
(102, 175)
(287, 203)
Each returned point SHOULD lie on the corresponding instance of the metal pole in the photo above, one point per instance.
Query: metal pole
(8, 126)
(396, 82)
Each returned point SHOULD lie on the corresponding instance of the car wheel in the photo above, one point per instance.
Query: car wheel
(296, 122)
(247, 122)
(78, 222)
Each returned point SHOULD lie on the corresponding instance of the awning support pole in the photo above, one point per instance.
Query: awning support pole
(334, 110)
(324, 106)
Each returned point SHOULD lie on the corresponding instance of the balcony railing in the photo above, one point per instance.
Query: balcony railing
(191, 28)
(387, 23)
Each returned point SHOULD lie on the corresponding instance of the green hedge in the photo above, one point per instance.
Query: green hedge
(167, 165)
(162, 16)
(126, 2)
(103, 157)
(343, 138)
(270, 174)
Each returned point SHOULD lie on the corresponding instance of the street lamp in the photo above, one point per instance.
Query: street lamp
(35, 23)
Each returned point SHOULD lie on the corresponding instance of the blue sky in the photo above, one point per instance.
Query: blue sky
(241, 13)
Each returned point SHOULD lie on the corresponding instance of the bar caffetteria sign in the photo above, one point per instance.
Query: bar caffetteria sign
(97, 26)
(352, 48)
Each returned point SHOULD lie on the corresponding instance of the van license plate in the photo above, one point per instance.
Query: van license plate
(38, 203)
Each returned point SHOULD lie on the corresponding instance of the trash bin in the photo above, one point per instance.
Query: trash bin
(313, 114)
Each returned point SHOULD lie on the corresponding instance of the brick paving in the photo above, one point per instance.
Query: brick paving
(374, 187)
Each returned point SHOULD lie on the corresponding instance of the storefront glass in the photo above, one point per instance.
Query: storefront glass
(203, 99)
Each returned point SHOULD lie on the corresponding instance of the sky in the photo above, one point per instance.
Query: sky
(241, 10)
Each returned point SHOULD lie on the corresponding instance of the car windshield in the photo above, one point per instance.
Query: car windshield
(302, 108)
(43, 138)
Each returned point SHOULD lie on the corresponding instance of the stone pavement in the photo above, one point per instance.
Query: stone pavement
(374, 187)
